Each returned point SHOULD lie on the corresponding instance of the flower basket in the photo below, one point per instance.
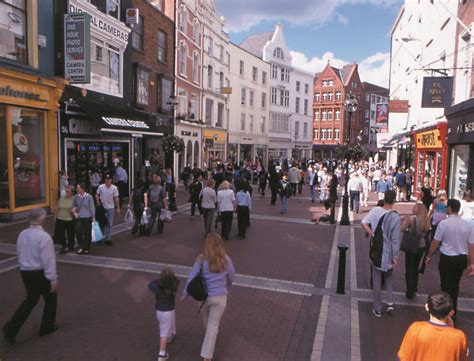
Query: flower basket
(173, 143)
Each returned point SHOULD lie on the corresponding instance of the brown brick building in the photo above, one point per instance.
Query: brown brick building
(331, 87)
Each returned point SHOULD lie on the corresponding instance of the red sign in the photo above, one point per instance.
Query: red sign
(399, 106)
(382, 113)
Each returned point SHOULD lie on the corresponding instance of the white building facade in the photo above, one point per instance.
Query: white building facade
(248, 106)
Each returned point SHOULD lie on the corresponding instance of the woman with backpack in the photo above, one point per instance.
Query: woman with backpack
(414, 243)
(217, 273)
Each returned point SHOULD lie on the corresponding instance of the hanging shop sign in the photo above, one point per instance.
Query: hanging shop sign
(429, 140)
(77, 58)
(398, 106)
(437, 92)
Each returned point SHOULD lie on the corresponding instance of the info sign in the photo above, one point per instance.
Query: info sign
(77, 57)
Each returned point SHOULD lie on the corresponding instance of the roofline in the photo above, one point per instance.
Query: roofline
(399, 17)
(248, 52)
(354, 66)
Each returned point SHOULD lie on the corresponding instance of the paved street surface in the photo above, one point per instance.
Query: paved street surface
(283, 305)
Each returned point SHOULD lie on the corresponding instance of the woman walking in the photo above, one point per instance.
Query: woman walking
(439, 210)
(244, 204)
(64, 228)
(84, 211)
(284, 190)
(225, 204)
(416, 228)
(209, 201)
(218, 273)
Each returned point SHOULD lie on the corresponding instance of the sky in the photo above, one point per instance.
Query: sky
(341, 31)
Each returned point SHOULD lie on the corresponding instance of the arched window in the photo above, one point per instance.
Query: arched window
(183, 20)
(195, 68)
(221, 80)
(182, 59)
(196, 31)
(278, 53)
(209, 77)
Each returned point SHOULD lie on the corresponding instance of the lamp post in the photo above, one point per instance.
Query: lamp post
(350, 106)
(172, 103)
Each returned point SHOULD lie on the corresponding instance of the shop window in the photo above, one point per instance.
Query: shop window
(4, 192)
(460, 170)
(27, 131)
(162, 45)
(141, 86)
(13, 30)
(137, 34)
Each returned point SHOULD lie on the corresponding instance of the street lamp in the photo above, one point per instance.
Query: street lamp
(350, 106)
(172, 102)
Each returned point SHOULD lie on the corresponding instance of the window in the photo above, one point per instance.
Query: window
(317, 97)
(274, 71)
(373, 100)
(242, 122)
(306, 88)
(106, 68)
(305, 130)
(329, 131)
(99, 56)
(193, 106)
(279, 123)
(196, 32)
(209, 77)
(264, 100)
(182, 58)
(338, 115)
(251, 97)
(228, 58)
(254, 73)
(324, 115)
(163, 93)
(241, 68)
(336, 134)
(282, 74)
(305, 107)
(372, 115)
(220, 115)
(338, 95)
(195, 68)
(251, 122)
(329, 114)
(316, 133)
(273, 99)
(210, 46)
(158, 4)
(316, 115)
(331, 83)
(113, 8)
(221, 80)
(183, 20)
(323, 134)
(278, 53)
(330, 96)
(264, 77)
(297, 128)
(262, 124)
(297, 105)
(141, 86)
(162, 45)
(325, 83)
(209, 111)
(378, 100)
(367, 97)
(137, 34)
(325, 96)
(221, 54)
(287, 98)
(243, 96)
(366, 114)
(282, 96)
(297, 86)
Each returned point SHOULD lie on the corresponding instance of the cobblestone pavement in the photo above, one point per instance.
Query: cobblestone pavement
(283, 305)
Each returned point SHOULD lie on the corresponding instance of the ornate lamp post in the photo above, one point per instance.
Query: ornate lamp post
(172, 103)
(350, 106)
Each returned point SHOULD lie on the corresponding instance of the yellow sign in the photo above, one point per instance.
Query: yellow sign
(218, 136)
(430, 139)
(16, 92)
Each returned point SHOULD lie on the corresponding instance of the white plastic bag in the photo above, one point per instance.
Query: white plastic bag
(145, 219)
(129, 216)
(165, 216)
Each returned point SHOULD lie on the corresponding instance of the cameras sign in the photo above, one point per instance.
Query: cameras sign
(77, 47)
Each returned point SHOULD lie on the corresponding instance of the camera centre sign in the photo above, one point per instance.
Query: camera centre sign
(77, 57)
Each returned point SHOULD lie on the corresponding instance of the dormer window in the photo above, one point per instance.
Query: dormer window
(278, 53)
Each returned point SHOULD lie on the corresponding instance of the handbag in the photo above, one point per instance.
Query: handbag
(129, 217)
(411, 240)
(97, 234)
(165, 216)
(197, 288)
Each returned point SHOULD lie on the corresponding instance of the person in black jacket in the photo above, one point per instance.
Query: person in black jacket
(195, 191)
(274, 181)
(332, 195)
(262, 181)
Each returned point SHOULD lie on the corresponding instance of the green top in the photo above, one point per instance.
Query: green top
(64, 206)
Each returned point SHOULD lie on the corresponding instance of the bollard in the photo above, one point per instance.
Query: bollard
(341, 273)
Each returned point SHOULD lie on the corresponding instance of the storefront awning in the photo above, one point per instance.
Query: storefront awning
(116, 119)
(398, 139)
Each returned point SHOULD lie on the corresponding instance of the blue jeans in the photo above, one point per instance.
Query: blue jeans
(109, 214)
(283, 204)
(313, 194)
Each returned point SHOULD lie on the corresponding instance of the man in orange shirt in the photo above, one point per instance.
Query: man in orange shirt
(436, 339)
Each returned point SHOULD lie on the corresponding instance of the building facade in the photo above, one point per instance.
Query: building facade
(375, 113)
(301, 103)
(29, 95)
(248, 106)
(330, 124)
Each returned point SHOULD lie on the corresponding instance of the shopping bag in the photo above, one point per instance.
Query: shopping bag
(129, 217)
(165, 216)
(145, 218)
(97, 234)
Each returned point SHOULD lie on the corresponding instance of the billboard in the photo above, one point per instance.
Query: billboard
(77, 57)
(382, 113)
(437, 92)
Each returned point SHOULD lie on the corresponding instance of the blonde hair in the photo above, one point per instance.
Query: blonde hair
(211, 183)
(422, 218)
(225, 185)
(214, 253)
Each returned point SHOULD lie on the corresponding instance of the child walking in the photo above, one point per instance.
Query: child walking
(164, 289)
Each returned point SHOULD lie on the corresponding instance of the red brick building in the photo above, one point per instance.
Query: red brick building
(331, 87)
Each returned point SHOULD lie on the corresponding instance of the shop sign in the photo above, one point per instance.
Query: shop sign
(186, 133)
(101, 23)
(382, 113)
(398, 106)
(125, 123)
(460, 131)
(437, 92)
(132, 16)
(77, 58)
(21, 93)
(218, 136)
(430, 139)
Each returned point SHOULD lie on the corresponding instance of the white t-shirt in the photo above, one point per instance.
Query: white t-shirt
(455, 235)
(225, 199)
(467, 210)
(107, 195)
(373, 217)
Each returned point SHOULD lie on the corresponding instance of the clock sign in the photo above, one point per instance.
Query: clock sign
(21, 142)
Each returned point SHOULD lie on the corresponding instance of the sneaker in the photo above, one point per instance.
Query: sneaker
(377, 313)
(390, 308)
(163, 358)
(170, 339)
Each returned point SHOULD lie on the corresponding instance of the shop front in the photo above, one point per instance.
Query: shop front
(279, 149)
(302, 151)
(214, 141)
(28, 142)
(460, 140)
(247, 148)
(191, 135)
(324, 151)
(431, 156)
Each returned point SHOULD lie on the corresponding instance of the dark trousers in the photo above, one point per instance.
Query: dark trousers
(243, 216)
(65, 233)
(84, 232)
(155, 212)
(137, 212)
(226, 223)
(208, 214)
(122, 188)
(294, 187)
(412, 264)
(408, 192)
(451, 269)
(36, 285)
(274, 196)
(193, 207)
(261, 188)
(355, 197)
(300, 187)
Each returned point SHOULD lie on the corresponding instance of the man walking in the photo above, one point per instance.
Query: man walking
(108, 196)
(401, 183)
(382, 186)
(121, 179)
(312, 182)
(390, 227)
(35, 251)
(355, 187)
(456, 236)
(294, 177)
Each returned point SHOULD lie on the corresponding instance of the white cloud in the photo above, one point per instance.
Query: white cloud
(243, 14)
(374, 69)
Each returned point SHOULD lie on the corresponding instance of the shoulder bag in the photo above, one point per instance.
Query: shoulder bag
(197, 287)
(411, 240)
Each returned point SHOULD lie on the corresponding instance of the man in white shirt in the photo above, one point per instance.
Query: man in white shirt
(108, 195)
(323, 185)
(456, 236)
(355, 187)
(35, 251)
